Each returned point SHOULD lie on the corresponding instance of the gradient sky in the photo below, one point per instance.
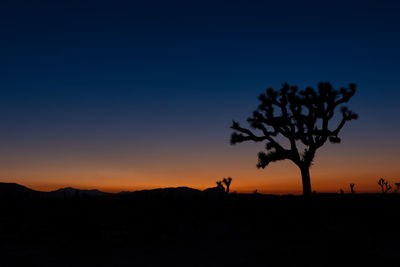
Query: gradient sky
(123, 96)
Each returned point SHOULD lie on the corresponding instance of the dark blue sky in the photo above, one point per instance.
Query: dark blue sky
(106, 75)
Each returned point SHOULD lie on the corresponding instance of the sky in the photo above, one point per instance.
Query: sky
(133, 95)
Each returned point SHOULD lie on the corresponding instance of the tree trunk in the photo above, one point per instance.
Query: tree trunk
(305, 177)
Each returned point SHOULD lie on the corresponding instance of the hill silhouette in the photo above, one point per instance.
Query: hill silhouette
(73, 192)
(14, 190)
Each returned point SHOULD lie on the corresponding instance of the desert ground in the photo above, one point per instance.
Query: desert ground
(186, 227)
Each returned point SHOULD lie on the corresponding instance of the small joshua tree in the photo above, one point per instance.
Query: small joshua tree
(397, 187)
(220, 185)
(385, 186)
(227, 182)
(352, 188)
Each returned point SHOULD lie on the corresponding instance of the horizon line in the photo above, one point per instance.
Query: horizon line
(260, 190)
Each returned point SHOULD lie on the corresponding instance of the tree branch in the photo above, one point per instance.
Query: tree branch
(295, 115)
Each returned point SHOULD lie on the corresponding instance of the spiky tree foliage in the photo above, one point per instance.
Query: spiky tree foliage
(220, 185)
(385, 186)
(227, 183)
(300, 116)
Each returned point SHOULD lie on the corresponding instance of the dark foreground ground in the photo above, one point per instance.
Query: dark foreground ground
(235, 230)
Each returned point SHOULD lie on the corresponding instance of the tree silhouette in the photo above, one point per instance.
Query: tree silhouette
(352, 188)
(220, 185)
(385, 186)
(397, 187)
(227, 182)
(300, 116)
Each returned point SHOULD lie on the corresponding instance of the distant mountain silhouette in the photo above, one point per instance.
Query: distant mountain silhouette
(73, 192)
(13, 190)
(169, 192)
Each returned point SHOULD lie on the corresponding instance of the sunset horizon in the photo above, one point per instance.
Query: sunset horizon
(112, 98)
(188, 133)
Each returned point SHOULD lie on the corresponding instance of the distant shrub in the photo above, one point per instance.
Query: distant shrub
(397, 190)
(385, 186)
(352, 188)
(220, 185)
(227, 182)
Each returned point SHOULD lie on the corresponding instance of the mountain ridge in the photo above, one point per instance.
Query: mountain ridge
(15, 190)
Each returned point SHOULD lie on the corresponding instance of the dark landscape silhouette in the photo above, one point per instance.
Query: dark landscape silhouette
(188, 227)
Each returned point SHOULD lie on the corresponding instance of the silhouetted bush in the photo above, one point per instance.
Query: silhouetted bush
(397, 187)
(352, 188)
(227, 182)
(385, 186)
(220, 185)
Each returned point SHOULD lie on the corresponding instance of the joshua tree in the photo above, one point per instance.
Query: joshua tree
(301, 117)
(385, 186)
(388, 187)
(352, 188)
(220, 185)
(397, 187)
(227, 182)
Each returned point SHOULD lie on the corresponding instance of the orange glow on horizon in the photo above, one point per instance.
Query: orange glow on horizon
(288, 182)
(335, 167)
